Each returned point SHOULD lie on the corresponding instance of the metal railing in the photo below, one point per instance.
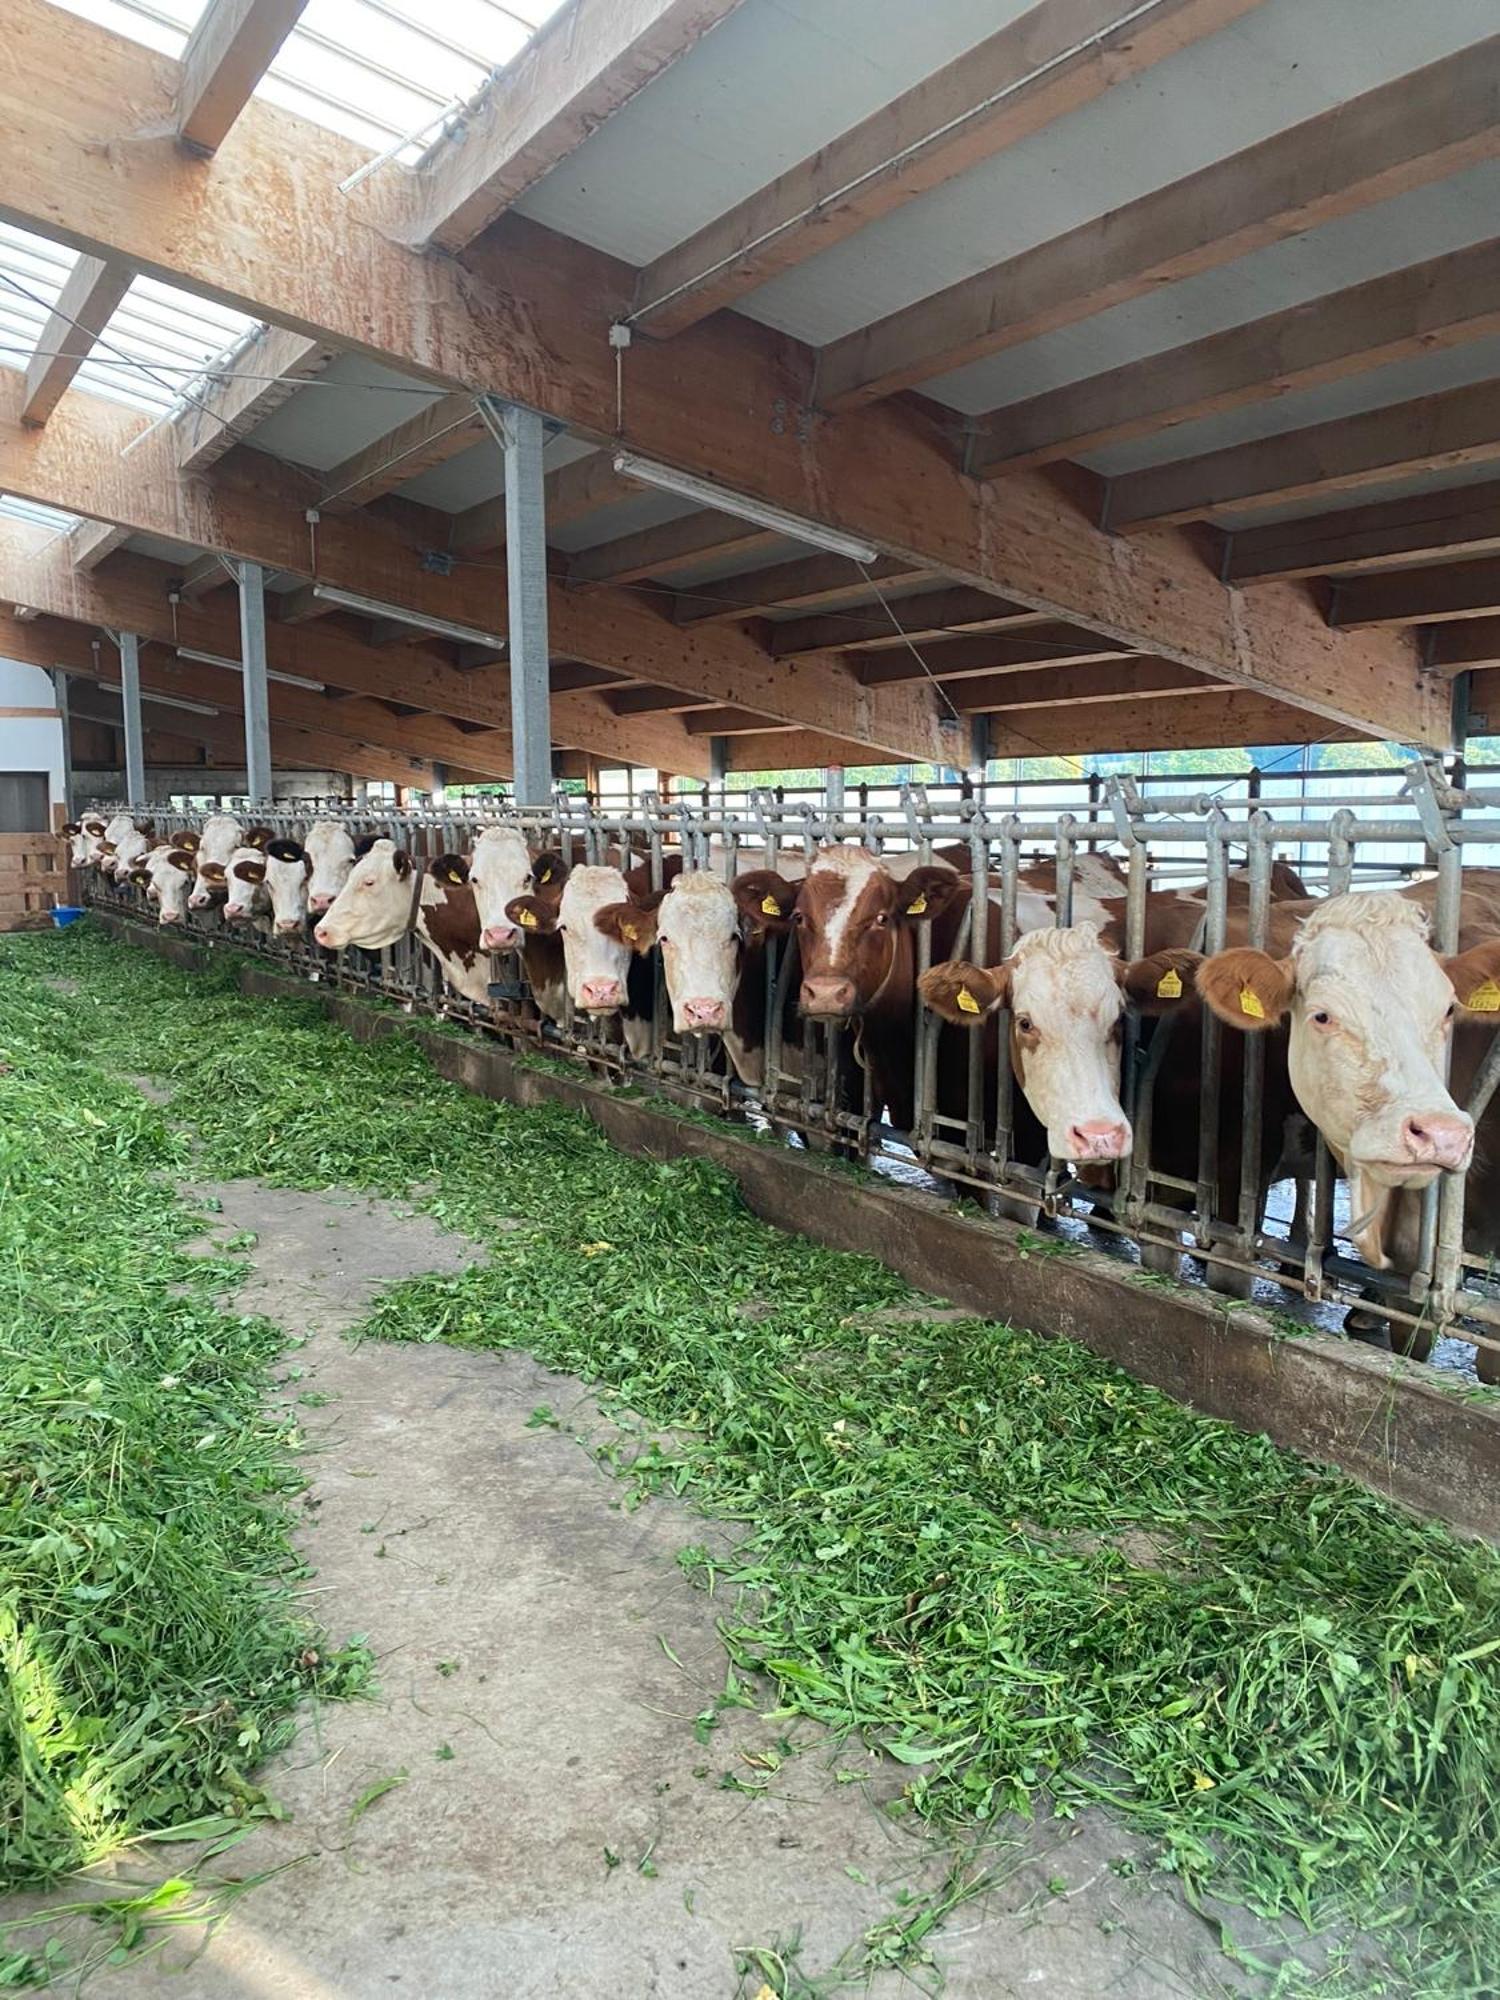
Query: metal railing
(1200, 1191)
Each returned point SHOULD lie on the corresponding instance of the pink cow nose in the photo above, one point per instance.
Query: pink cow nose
(288, 924)
(599, 995)
(321, 934)
(318, 904)
(171, 916)
(1437, 1138)
(703, 1013)
(1099, 1139)
(497, 937)
(828, 996)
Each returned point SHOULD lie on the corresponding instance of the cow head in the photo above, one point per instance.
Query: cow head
(210, 883)
(286, 870)
(244, 884)
(1370, 1006)
(588, 917)
(697, 925)
(1066, 991)
(331, 852)
(849, 914)
(499, 870)
(171, 871)
(374, 907)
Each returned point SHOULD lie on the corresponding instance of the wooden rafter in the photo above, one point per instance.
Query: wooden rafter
(1053, 646)
(713, 402)
(1428, 527)
(1418, 310)
(1419, 596)
(268, 369)
(1458, 647)
(930, 614)
(430, 438)
(91, 541)
(664, 550)
(1053, 60)
(582, 487)
(1108, 681)
(581, 66)
(1456, 428)
(92, 290)
(252, 507)
(1421, 128)
(230, 50)
(812, 580)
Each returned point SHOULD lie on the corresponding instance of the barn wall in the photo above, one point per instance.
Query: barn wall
(30, 742)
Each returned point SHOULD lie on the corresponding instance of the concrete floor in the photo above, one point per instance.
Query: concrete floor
(561, 1827)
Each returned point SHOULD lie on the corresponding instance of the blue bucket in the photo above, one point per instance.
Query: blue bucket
(65, 914)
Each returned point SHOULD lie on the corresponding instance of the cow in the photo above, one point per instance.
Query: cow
(221, 835)
(246, 898)
(386, 895)
(1067, 991)
(171, 873)
(598, 917)
(331, 854)
(84, 837)
(1369, 1008)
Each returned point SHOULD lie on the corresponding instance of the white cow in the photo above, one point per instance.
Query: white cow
(221, 835)
(330, 852)
(246, 898)
(171, 874)
(500, 869)
(382, 900)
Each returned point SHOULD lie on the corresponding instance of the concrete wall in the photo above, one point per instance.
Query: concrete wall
(30, 742)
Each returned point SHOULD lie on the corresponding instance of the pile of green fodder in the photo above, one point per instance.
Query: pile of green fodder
(1007, 1562)
(150, 1647)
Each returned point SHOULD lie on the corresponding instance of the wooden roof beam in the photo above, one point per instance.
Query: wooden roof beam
(1418, 596)
(1420, 310)
(582, 487)
(576, 71)
(712, 402)
(1063, 687)
(90, 293)
(675, 545)
(810, 580)
(266, 372)
(984, 653)
(731, 722)
(430, 438)
(230, 50)
(657, 701)
(931, 614)
(1427, 527)
(1054, 59)
(91, 541)
(1419, 128)
(1456, 428)
(1455, 648)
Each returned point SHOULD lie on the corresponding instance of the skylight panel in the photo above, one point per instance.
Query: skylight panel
(157, 345)
(37, 516)
(32, 274)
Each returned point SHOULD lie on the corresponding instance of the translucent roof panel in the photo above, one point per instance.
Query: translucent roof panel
(387, 73)
(32, 273)
(37, 516)
(157, 344)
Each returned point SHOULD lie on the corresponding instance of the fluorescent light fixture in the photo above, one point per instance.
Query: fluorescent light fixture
(440, 628)
(164, 700)
(234, 667)
(706, 494)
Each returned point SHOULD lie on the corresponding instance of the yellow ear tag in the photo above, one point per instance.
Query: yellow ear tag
(1484, 999)
(967, 1003)
(1169, 986)
(629, 931)
(545, 876)
(1250, 1004)
(528, 918)
(915, 909)
(769, 907)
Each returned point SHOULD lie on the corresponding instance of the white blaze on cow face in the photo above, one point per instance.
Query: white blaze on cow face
(1066, 1002)
(698, 930)
(595, 964)
(499, 871)
(245, 885)
(374, 907)
(171, 873)
(221, 836)
(1370, 1014)
(286, 885)
(330, 849)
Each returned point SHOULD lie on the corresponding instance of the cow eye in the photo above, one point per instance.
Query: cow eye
(881, 920)
(1322, 1018)
(1025, 1023)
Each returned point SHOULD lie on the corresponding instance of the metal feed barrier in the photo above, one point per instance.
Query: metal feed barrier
(1420, 825)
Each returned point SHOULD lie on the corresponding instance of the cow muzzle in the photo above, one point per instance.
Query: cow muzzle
(498, 937)
(169, 915)
(1442, 1139)
(318, 904)
(288, 926)
(1098, 1139)
(828, 998)
(325, 937)
(601, 996)
(702, 1017)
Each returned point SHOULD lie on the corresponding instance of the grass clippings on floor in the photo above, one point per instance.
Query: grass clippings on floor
(1016, 1568)
(151, 1651)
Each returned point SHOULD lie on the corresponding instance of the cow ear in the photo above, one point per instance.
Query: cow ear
(537, 914)
(548, 873)
(450, 868)
(71, 826)
(926, 892)
(258, 836)
(282, 849)
(628, 923)
(1155, 985)
(252, 871)
(180, 858)
(765, 898)
(1248, 989)
(190, 840)
(964, 994)
(1476, 980)
(401, 862)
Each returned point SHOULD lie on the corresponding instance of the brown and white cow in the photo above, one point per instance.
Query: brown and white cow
(220, 836)
(246, 899)
(171, 872)
(1370, 1008)
(385, 896)
(599, 919)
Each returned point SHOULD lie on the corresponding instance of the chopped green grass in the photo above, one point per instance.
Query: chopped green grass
(150, 1647)
(1021, 1572)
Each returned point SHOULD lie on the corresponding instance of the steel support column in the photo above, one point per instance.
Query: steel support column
(251, 579)
(130, 701)
(60, 695)
(439, 793)
(522, 436)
